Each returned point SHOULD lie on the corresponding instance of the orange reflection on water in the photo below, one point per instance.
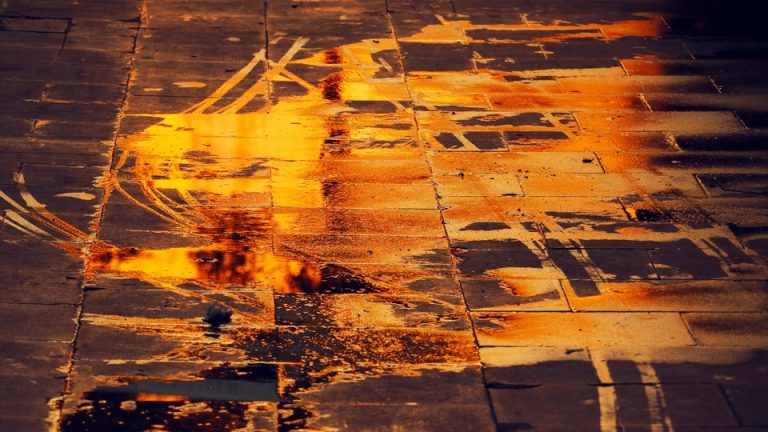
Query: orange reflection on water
(646, 25)
(154, 397)
(218, 265)
(196, 167)
(202, 152)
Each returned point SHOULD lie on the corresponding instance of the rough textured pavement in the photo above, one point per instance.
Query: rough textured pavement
(421, 215)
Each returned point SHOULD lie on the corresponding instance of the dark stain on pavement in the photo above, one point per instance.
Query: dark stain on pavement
(331, 87)
(477, 257)
(485, 226)
(218, 400)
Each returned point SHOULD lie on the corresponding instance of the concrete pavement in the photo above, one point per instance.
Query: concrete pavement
(422, 215)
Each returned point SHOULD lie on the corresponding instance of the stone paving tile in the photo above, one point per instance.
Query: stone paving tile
(696, 295)
(518, 162)
(22, 322)
(40, 286)
(744, 141)
(575, 185)
(638, 84)
(415, 196)
(728, 329)
(481, 185)
(681, 162)
(369, 249)
(746, 402)
(357, 221)
(516, 295)
(565, 330)
(448, 417)
(689, 121)
(566, 102)
(35, 373)
(733, 185)
(698, 405)
(577, 405)
(703, 102)
(517, 370)
(734, 211)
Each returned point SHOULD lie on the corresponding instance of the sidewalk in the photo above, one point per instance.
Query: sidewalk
(447, 215)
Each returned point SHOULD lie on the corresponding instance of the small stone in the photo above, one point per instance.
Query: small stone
(218, 315)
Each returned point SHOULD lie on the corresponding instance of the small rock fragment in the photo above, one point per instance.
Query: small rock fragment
(218, 315)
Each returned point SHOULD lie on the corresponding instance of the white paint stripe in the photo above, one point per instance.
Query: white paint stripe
(302, 82)
(385, 64)
(21, 229)
(260, 85)
(608, 418)
(12, 202)
(50, 220)
(606, 394)
(464, 140)
(397, 105)
(29, 200)
(228, 85)
(660, 421)
(23, 223)
(84, 196)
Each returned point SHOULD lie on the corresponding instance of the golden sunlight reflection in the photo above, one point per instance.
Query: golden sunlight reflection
(216, 172)
(237, 266)
(217, 169)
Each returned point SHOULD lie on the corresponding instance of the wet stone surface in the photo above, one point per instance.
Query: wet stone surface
(402, 215)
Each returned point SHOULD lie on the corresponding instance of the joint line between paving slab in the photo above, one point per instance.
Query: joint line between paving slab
(454, 274)
(730, 405)
(64, 39)
(267, 65)
(432, 176)
(98, 219)
(689, 329)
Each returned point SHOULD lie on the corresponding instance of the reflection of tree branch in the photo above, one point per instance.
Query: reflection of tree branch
(37, 211)
(188, 197)
(228, 85)
(261, 85)
(118, 187)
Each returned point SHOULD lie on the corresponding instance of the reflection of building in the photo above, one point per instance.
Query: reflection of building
(216, 172)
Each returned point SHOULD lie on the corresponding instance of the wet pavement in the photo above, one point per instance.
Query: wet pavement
(402, 215)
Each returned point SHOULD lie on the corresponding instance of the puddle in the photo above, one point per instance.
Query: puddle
(336, 279)
(223, 399)
(224, 267)
(216, 168)
(217, 265)
(645, 215)
(204, 390)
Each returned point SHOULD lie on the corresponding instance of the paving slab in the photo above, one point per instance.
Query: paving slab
(728, 329)
(582, 329)
(689, 121)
